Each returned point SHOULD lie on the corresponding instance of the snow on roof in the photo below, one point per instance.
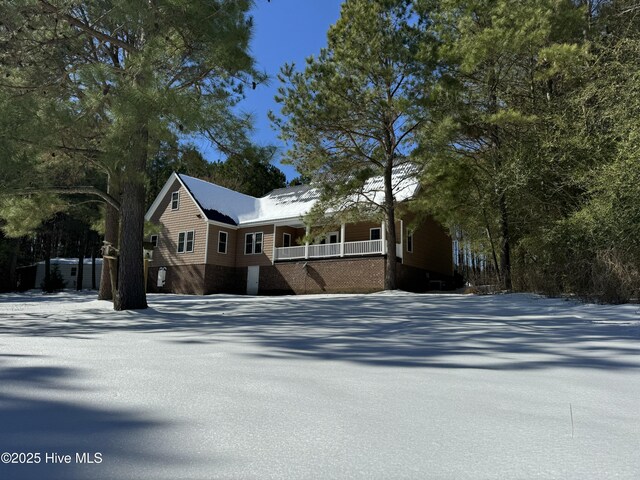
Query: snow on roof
(220, 203)
(403, 183)
(235, 208)
(291, 202)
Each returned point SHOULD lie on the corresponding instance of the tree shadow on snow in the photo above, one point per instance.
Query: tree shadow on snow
(503, 332)
(45, 422)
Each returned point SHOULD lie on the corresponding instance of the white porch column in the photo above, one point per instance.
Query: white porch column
(273, 258)
(342, 234)
(383, 235)
(306, 244)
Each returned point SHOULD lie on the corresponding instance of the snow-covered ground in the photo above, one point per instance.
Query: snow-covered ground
(376, 386)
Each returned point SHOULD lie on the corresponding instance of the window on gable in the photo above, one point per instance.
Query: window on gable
(186, 241)
(286, 240)
(253, 243)
(409, 241)
(175, 200)
(375, 234)
(223, 238)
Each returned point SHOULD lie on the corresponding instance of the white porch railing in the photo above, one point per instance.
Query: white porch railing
(324, 250)
(289, 253)
(363, 248)
(367, 247)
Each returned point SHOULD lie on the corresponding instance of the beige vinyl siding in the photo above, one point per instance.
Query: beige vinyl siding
(297, 234)
(263, 258)
(184, 219)
(215, 258)
(431, 248)
(359, 232)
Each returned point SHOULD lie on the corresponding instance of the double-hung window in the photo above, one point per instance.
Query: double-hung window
(223, 239)
(375, 233)
(286, 239)
(154, 240)
(175, 200)
(253, 243)
(410, 241)
(186, 241)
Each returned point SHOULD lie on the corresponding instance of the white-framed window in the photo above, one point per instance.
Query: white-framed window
(223, 239)
(409, 241)
(186, 241)
(154, 240)
(286, 239)
(253, 243)
(375, 233)
(331, 237)
(175, 200)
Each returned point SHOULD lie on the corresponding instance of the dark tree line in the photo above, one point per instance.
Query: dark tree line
(521, 116)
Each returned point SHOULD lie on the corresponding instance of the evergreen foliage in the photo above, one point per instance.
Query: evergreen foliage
(99, 87)
(350, 114)
(532, 146)
(53, 282)
(249, 171)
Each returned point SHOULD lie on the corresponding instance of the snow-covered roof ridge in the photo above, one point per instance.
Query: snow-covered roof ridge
(228, 206)
(218, 202)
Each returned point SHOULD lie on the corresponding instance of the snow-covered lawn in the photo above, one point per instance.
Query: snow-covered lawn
(376, 386)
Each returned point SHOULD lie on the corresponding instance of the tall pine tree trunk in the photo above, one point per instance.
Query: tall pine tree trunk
(131, 292)
(111, 229)
(47, 261)
(390, 278)
(496, 146)
(93, 268)
(505, 254)
(13, 264)
(81, 252)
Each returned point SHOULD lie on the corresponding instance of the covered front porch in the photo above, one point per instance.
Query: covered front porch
(348, 242)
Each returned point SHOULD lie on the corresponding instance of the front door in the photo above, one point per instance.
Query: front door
(253, 277)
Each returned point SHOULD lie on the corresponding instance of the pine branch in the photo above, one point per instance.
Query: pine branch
(88, 29)
(86, 190)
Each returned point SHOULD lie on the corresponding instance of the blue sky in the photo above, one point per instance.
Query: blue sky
(285, 31)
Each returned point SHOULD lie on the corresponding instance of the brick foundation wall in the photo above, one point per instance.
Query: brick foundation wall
(357, 275)
(182, 279)
(361, 275)
(220, 279)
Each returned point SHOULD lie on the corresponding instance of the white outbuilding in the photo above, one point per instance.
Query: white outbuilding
(68, 268)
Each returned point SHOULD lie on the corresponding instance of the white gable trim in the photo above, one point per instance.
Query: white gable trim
(165, 191)
(280, 222)
(224, 225)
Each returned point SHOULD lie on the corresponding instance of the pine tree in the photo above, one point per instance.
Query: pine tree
(248, 171)
(502, 69)
(114, 79)
(348, 113)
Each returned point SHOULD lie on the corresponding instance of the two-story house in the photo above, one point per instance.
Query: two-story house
(215, 240)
